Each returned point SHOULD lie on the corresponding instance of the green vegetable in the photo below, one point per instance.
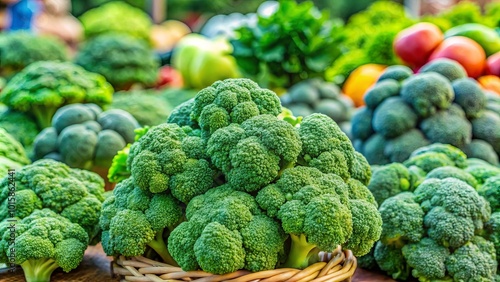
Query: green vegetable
(427, 259)
(448, 127)
(19, 49)
(21, 126)
(44, 242)
(393, 117)
(147, 108)
(487, 128)
(391, 260)
(12, 154)
(454, 172)
(121, 59)
(490, 190)
(43, 87)
(396, 72)
(389, 181)
(448, 68)
(400, 148)
(117, 17)
(277, 50)
(481, 149)
(382, 90)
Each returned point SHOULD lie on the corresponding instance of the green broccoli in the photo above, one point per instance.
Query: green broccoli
(361, 123)
(455, 155)
(366, 222)
(226, 232)
(474, 261)
(492, 232)
(429, 161)
(12, 154)
(448, 68)
(373, 150)
(241, 151)
(181, 115)
(44, 241)
(390, 180)
(454, 172)
(382, 90)
(427, 93)
(427, 259)
(73, 193)
(167, 158)
(448, 127)
(483, 171)
(490, 190)
(149, 109)
(43, 87)
(482, 150)
(400, 148)
(232, 101)
(487, 128)
(21, 126)
(395, 72)
(391, 260)
(19, 49)
(133, 219)
(121, 59)
(469, 96)
(393, 117)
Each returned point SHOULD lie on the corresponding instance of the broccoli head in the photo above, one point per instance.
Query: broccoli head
(400, 148)
(427, 259)
(492, 232)
(121, 59)
(232, 101)
(12, 154)
(43, 87)
(490, 190)
(44, 242)
(181, 114)
(469, 96)
(390, 180)
(454, 172)
(481, 149)
(391, 260)
(487, 128)
(427, 93)
(382, 90)
(21, 126)
(361, 123)
(448, 68)
(482, 171)
(393, 117)
(149, 109)
(455, 155)
(395, 72)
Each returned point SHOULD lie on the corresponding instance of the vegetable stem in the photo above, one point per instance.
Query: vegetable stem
(39, 270)
(158, 244)
(299, 252)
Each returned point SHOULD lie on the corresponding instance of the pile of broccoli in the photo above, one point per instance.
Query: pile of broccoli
(12, 153)
(240, 187)
(19, 49)
(440, 104)
(121, 59)
(43, 87)
(83, 136)
(56, 217)
(441, 217)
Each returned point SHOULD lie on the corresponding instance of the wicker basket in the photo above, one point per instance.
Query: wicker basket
(337, 266)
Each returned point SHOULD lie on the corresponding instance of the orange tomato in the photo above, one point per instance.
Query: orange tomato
(490, 82)
(360, 80)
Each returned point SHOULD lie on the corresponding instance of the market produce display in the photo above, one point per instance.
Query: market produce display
(57, 212)
(405, 111)
(43, 87)
(122, 60)
(440, 217)
(83, 136)
(19, 49)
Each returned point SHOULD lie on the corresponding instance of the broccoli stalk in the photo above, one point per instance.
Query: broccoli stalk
(38, 269)
(160, 247)
(301, 252)
(43, 115)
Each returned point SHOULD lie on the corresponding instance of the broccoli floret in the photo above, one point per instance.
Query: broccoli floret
(403, 220)
(181, 115)
(149, 109)
(12, 154)
(360, 169)
(361, 123)
(469, 96)
(21, 126)
(427, 93)
(448, 68)
(358, 190)
(482, 171)
(391, 260)
(43, 87)
(454, 172)
(448, 127)
(388, 181)
(119, 121)
(427, 259)
(232, 101)
(454, 154)
(44, 242)
(492, 232)
(395, 72)
(429, 161)
(474, 261)
(487, 128)
(367, 227)
(400, 148)
(393, 117)
(240, 151)
(72, 114)
(490, 190)
(373, 150)
(133, 219)
(19, 49)
(380, 92)
(121, 59)
(482, 150)
(448, 229)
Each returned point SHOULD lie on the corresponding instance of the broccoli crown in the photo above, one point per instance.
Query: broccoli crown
(82, 136)
(490, 190)
(167, 158)
(389, 180)
(427, 259)
(427, 93)
(400, 148)
(455, 155)
(44, 242)
(367, 227)
(121, 59)
(19, 49)
(380, 91)
(487, 128)
(448, 68)
(232, 101)
(492, 232)
(393, 117)
(43, 87)
(373, 150)
(482, 150)
(73, 193)
(241, 151)
(148, 109)
(482, 171)
(133, 219)
(453, 172)
(448, 127)
(470, 96)
(181, 114)
(117, 17)
(361, 123)
(391, 260)
(226, 231)
(12, 153)
(21, 126)
(429, 160)
(395, 72)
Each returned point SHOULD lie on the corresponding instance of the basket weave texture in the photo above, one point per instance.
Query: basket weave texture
(338, 266)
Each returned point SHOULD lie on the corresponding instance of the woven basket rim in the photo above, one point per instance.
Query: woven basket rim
(337, 266)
